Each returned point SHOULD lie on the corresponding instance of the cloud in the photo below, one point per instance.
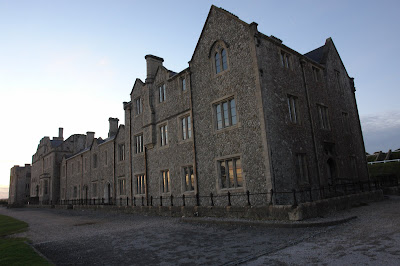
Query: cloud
(381, 131)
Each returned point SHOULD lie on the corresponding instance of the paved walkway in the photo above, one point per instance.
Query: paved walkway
(69, 237)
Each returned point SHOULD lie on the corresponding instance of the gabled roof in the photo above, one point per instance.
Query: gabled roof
(56, 143)
(316, 54)
(137, 81)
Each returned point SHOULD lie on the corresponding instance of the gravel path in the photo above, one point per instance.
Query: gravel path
(71, 237)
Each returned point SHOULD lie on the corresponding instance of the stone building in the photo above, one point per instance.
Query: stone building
(249, 113)
(96, 172)
(45, 179)
(20, 181)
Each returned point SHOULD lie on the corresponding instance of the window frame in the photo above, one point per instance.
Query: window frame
(191, 178)
(138, 105)
(323, 114)
(121, 152)
(165, 182)
(285, 59)
(293, 107)
(220, 102)
(140, 184)
(162, 93)
(185, 127)
(216, 56)
(236, 188)
(138, 144)
(122, 189)
(163, 135)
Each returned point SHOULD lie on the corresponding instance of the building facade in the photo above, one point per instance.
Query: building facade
(20, 181)
(248, 114)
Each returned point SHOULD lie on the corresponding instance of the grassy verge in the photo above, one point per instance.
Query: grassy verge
(14, 251)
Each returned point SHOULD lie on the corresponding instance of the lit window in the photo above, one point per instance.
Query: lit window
(188, 178)
(139, 143)
(225, 112)
(140, 184)
(163, 135)
(323, 117)
(162, 93)
(293, 112)
(186, 128)
(165, 181)
(230, 173)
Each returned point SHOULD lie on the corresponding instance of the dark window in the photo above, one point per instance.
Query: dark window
(323, 117)
(139, 143)
(225, 112)
(162, 93)
(122, 186)
(163, 135)
(121, 152)
(186, 127)
(139, 105)
(285, 59)
(316, 73)
(217, 63)
(293, 112)
(302, 168)
(224, 60)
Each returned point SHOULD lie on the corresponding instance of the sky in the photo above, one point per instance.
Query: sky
(72, 63)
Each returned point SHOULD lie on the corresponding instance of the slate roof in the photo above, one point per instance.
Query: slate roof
(56, 143)
(316, 54)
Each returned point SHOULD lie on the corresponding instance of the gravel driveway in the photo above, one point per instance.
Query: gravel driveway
(71, 237)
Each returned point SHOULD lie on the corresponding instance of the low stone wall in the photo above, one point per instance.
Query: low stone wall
(271, 212)
(391, 190)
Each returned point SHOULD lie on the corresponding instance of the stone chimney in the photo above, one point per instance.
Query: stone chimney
(113, 126)
(89, 138)
(153, 62)
(60, 133)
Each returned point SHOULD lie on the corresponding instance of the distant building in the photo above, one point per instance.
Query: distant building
(20, 180)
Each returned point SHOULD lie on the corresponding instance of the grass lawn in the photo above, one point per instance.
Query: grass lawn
(14, 251)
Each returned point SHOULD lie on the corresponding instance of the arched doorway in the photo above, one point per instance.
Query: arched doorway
(331, 171)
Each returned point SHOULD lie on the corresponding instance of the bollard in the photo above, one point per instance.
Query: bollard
(183, 200)
(160, 200)
(142, 201)
(197, 199)
(134, 201)
(229, 198)
(212, 200)
(172, 202)
(294, 198)
(248, 198)
(102, 200)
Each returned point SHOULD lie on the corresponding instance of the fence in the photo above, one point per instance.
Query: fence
(292, 197)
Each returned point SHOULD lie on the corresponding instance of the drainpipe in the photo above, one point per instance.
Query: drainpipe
(145, 174)
(130, 151)
(193, 134)
(302, 63)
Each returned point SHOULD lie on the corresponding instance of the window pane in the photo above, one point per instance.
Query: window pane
(217, 63)
(183, 84)
(224, 61)
(187, 181)
(233, 111)
(164, 93)
(231, 175)
(282, 59)
(189, 127)
(160, 92)
(224, 180)
(191, 178)
(239, 177)
(219, 117)
(168, 182)
(184, 128)
(166, 134)
(226, 114)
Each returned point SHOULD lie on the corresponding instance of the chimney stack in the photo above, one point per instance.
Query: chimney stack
(60, 133)
(113, 126)
(153, 62)
(89, 138)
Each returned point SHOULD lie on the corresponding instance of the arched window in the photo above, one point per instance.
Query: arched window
(224, 61)
(217, 63)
